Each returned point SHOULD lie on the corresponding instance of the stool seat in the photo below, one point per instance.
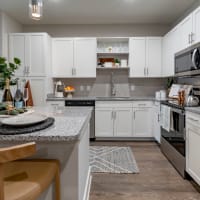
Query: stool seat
(26, 180)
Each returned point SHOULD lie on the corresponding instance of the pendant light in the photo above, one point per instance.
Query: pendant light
(35, 9)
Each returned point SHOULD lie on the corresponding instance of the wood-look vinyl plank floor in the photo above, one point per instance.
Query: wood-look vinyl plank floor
(157, 179)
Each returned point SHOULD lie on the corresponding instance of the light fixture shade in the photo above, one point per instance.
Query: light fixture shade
(35, 9)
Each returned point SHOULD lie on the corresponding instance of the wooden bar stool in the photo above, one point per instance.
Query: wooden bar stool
(26, 179)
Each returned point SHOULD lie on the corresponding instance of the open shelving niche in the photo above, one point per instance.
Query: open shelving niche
(117, 48)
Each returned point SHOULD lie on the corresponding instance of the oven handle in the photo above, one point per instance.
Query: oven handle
(179, 111)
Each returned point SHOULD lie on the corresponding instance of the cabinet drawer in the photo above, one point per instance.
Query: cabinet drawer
(143, 104)
(113, 104)
(56, 103)
(193, 119)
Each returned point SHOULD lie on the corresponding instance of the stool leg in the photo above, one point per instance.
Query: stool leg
(57, 184)
(1, 183)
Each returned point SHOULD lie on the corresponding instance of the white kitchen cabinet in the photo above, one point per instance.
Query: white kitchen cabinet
(104, 122)
(123, 122)
(171, 45)
(85, 58)
(74, 57)
(56, 104)
(33, 51)
(145, 56)
(142, 122)
(192, 146)
(113, 119)
(156, 121)
(196, 25)
(185, 32)
(154, 57)
(62, 57)
(137, 56)
(40, 87)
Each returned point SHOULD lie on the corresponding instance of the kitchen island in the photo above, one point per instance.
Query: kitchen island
(67, 140)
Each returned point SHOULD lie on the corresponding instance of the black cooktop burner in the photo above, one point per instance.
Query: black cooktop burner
(174, 104)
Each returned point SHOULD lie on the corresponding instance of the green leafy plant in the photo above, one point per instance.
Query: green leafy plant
(7, 70)
(170, 81)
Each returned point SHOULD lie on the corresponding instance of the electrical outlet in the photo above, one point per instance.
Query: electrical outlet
(82, 88)
(132, 87)
(88, 88)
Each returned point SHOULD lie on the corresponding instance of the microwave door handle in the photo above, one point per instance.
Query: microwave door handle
(193, 58)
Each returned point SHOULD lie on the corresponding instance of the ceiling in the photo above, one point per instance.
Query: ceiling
(100, 11)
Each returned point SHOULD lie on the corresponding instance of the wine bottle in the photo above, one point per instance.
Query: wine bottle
(18, 98)
(7, 96)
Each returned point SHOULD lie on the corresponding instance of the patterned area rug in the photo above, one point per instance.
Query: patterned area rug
(112, 159)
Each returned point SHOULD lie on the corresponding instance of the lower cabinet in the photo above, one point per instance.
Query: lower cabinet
(193, 146)
(113, 119)
(156, 122)
(121, 119)
(142, 122)
(123, 122)
(40, 87)
(104, 122)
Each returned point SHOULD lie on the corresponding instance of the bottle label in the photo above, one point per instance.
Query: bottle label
(19, 104)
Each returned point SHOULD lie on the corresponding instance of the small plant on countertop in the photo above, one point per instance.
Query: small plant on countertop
(7, 70)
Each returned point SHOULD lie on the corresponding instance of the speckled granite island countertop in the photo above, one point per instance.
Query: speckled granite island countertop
(68, 126)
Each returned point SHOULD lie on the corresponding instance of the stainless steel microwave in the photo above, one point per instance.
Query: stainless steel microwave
(187, 62)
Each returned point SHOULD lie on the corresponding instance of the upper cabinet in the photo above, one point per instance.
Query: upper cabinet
(171, 45)
(186, 34)
(62, 57)
(196, 25)
(74, 57)
(145, 56)
(32, 49)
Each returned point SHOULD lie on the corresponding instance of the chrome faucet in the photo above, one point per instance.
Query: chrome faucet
(113, 88)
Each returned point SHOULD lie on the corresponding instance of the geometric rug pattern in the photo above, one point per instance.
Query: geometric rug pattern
(112, 159)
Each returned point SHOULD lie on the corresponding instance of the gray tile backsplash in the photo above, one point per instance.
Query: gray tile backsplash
(100, 86)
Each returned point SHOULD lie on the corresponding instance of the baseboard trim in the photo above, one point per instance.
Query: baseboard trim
(86, 195)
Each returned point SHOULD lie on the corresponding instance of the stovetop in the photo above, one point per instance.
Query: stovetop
(174, 104)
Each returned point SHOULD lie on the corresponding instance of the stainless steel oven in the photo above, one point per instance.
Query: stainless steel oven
(173, 139)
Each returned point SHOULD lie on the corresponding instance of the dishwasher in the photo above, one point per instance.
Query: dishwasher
(85, 103)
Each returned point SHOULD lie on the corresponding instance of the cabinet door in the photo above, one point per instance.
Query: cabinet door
(142, 122)
(196, 25)
(38, 88)
(123, 122)
(154, 56)
(85, 59)
(156, 123)
(36, 55)
(171, 45)
(192, 152)
(185, 32)
(62, 57)
(103, 122)
(17, 49)
(137, 56)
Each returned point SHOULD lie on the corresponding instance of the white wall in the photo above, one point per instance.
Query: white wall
(1, 39)
(8, 25)
(112, 30)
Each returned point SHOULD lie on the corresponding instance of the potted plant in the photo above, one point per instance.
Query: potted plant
(7, 70)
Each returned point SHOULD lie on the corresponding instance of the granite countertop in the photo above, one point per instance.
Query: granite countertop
(68, 126)
(193, 109)
(51, 97)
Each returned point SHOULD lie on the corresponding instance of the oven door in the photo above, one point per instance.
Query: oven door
(176, 135)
